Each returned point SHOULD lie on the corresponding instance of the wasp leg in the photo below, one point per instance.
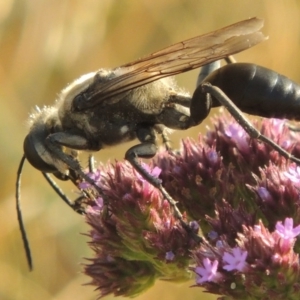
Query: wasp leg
(56, 140)
(148, 149)
(206, 70)
(75, 205)
(161, 129)
(91, 163)
(211, 67)
(78, 201)
(230, 59)
(293, 128)
(201, 103)
(208, 89)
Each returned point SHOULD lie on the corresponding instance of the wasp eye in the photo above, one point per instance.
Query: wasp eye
(79, 101)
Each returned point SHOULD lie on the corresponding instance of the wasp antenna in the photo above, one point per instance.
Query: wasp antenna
(19, 213)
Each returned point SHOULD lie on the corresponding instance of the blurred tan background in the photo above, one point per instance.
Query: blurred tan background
(45, 44)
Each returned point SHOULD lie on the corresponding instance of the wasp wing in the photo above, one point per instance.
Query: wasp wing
(178, 58)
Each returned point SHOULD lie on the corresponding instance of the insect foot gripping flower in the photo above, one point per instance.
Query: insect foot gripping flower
(244, 196)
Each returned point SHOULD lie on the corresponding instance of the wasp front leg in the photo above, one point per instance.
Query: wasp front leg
(54, 143)
(76, 204)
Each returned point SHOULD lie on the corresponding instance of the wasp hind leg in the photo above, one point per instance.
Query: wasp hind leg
(206, 90)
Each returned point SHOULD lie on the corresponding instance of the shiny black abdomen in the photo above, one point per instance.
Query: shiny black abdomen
(258, 91)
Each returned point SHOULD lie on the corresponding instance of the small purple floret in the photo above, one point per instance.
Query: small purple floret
(287, 231)
(209, 271)
(235, 260)
(170, 256)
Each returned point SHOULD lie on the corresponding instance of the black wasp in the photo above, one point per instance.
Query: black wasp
(138, 100)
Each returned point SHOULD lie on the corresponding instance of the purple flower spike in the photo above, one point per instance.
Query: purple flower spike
(232, 191)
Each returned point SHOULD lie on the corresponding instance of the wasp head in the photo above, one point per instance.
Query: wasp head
(43, 123)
